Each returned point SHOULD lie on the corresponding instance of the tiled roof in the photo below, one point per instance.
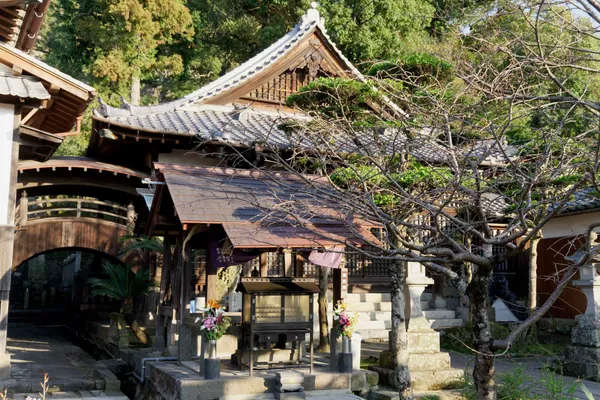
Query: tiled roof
(234, 126)
(490, 151)
(587, 199)
(25, 87)
(245, 202)
(494, 204)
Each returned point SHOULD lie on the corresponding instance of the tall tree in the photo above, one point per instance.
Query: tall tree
(463, 160)
(229, 32)
(116, 44)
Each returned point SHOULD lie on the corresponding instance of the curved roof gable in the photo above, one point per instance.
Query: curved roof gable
(240, 76)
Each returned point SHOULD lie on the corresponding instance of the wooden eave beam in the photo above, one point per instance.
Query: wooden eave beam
(11, 57)
(154, 213)
(34, 103)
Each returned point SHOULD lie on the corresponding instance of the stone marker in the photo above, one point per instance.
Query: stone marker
(289, 385)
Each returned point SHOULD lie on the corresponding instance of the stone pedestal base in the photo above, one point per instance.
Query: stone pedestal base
(426, 341)
(290, 396)
(289, 385)
(118, 334)
(345, 362)
(582, 362)
(4, 366)
(418, 361)
(212, 368)
(586, 332)
(429, 367)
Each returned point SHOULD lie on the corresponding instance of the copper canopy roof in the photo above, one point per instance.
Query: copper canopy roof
(245, 203)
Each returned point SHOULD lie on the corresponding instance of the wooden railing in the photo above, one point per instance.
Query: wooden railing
(70, 207)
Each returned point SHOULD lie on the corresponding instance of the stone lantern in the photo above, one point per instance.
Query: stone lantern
(582, 358)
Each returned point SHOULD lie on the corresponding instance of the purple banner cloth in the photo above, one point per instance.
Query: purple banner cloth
(234, 257)
(325, 258)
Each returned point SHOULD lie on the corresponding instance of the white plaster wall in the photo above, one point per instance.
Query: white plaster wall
(6, 144)
(570, 225)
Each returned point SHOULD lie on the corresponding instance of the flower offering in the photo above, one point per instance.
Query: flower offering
(346, 319)
(214, 324)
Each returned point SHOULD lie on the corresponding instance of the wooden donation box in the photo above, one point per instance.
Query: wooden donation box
(277, 315)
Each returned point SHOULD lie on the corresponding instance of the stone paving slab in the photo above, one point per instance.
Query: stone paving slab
(75, 395)
(38, 350)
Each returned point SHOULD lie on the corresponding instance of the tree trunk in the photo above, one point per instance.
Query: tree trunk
(399, 338)
(135, 90)
(137, 330)
(483, 372)
(324, 343)
(532, 300)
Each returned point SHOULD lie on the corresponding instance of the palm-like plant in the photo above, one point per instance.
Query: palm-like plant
(122, 284)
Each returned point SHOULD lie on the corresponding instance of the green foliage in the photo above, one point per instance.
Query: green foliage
(109, 43)
(368, 30)
(418, 174)
(420, 65)
(514, 384)
(122, 284)
(518, 385)
(336, 98)
(132, 242)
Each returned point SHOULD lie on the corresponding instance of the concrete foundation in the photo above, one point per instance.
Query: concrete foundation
(4, 366)
(175, 382)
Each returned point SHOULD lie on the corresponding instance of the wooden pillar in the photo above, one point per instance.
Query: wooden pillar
(10, 118)
(340, 284)
(131, 216)
(211, 278)
(264, 268)
(23, 209)
(159, 339)
(176, 277)
(185, 331)
(166, 267)
(288, 263)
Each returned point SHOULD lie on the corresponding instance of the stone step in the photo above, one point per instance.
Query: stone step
(446, 323)
(374, 316)
(370, 325)
(374, 334)
(383, 395)
(377, 306)
(439, 314)
(377, 297)
(367, 297)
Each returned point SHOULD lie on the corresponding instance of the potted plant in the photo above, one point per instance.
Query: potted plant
(213, 325)
(122, 284)
(345, 322)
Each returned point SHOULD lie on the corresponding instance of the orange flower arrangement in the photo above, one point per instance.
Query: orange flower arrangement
(214, 304)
